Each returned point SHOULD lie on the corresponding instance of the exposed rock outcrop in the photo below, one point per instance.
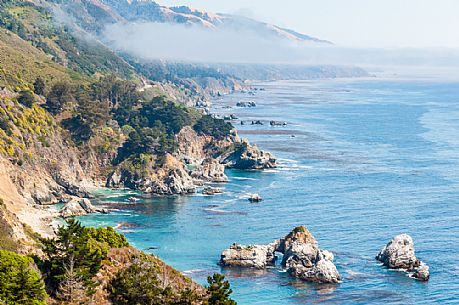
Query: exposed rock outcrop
(170, 179)
(79, 207)
(253, 256)
(399, 253)
(302, 257)
(247, 157)
(210, 171)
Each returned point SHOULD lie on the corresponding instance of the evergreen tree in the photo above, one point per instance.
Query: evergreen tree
(20, 284)
(72, 290)
(138, 285)
(59, 95)
(219, 291)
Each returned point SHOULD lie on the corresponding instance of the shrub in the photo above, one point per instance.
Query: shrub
(20, 284)
(107, 235)
(26, 98)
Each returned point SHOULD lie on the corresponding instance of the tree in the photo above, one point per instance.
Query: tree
(59, 95)
(71, 244)
(39, 86)
(219, 291)
(138, 285)
(72, 290)
(90, 116)
(20, 284)
(207, 125)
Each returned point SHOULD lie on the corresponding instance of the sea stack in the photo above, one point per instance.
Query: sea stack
(399, 253)
(302, 257)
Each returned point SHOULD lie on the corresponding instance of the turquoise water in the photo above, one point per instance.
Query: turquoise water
(369, 159)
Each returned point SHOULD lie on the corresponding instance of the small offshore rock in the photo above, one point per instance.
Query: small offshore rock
(255, 198)
(211, 191)
(399, 253)
(277, 123)
(422, 273)
(247, 157)
(246, 104)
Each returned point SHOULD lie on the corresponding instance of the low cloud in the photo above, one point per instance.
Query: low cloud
(152, 41)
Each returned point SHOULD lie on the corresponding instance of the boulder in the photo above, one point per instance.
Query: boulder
(77, 207)
(422, 273)
(246, 104)
(399, 253)
(253, 256)
(277, 123)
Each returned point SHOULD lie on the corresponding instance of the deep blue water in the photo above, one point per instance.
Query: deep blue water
(369, 159)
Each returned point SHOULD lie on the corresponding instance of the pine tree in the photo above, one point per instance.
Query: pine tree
(219, 291)
(72, 290)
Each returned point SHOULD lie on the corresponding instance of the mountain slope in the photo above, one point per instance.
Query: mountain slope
(112, 11)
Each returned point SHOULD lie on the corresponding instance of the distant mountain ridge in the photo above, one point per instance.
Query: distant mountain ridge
(112, 11)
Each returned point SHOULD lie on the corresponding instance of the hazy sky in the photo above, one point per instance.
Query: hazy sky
(353, 23)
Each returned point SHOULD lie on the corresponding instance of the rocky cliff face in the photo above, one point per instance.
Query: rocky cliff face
(198, 159)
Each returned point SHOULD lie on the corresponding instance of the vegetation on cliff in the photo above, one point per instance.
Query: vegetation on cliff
(20, 282)
(88, 265)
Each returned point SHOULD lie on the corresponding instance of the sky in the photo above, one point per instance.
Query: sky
(353, 23)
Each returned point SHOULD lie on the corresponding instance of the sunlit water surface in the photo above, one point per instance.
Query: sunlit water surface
(359, 162)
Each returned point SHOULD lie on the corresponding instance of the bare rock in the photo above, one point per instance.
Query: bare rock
(304, 260)
(246, 157)
(77, 207)
(422, 273)
(302, 257)
(210, 170)
(253, 256)
(399, 253)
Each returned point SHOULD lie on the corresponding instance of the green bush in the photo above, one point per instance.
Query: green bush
(26, 98)
(20, 283)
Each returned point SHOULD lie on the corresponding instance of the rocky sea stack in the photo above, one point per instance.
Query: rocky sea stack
(302, 257)
(399, 253)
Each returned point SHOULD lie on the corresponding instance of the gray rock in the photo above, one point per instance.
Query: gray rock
(77, 207)
(210, 170)
(302, 257)
(304, 260)
(253, 256)
(399, 253)
(249, 157)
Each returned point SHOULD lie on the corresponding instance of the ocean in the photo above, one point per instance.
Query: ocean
(360, 161)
